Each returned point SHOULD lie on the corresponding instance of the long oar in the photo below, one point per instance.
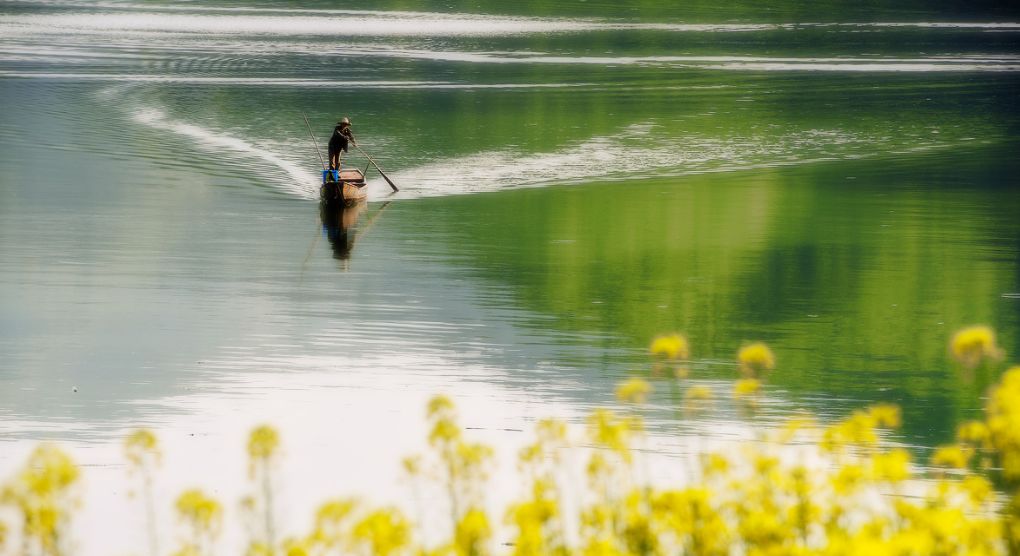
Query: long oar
(314, 142)
(385, 177)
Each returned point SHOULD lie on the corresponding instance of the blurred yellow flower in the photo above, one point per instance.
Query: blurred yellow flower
(295, 547)
(42, 492)
(385, 531)
(972, 432)
(201, 511)
(698, 393)
(141, 444)
(979, 489)
(755, 359)
(439, 404)
(892, 466)
(973, 345)
(715, 464)
(885, 415)
(746, 387)
(767, 500)
(551, 430)
(472, 533)
(670, 346)
(608, 430)
(444, 431)
(49, 471)
(1003, 411)
(263, 442)
(952, 455)
(848, 478)
(411, 465)
(633, 390)
(858, 429)
(334, 512)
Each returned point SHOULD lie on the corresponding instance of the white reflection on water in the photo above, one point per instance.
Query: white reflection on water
(399, 23)
(357, 24)
(346, 422)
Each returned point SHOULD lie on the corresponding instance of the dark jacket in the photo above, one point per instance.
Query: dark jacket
(340, 139)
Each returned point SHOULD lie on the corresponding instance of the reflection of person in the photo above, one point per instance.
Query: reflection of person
(337, 225)
(338, 142)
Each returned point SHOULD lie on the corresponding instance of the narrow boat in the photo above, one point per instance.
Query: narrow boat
(343, 187)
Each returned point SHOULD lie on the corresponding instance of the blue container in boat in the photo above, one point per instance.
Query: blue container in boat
(330, 175)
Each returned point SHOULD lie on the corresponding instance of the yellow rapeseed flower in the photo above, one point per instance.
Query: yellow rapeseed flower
(332, 521)
(551, 430)
(1003, 411)
(972, 432)
(952, 455)
(848, 478)
(699, 393)
(334, 512)
(973, 345)
(411, 465)
(385, 531)
(49, 471)
(885, 415)
(444, 431)
(43, 494)
(602, 547)
(892, 466)
(794, 426)
(473, 532)
(714, 464)
(755, 359)
(200, 511)
(610, 431)
(858, 429)
(296, 547)
(633, 390)
(263, 442)
(439, 404)
(746, 387)
(140, 445)
(978, 489)
(670, 346)
(473, 455)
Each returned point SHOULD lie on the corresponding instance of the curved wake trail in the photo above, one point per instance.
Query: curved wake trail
(637, 152)
(291, 177)
(310, 52)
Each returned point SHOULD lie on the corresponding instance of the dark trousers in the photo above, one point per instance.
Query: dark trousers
(334, 159)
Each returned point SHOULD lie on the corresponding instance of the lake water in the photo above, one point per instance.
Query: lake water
(575, 179)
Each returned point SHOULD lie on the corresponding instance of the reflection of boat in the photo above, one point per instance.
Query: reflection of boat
(343, 187)
(337, 223)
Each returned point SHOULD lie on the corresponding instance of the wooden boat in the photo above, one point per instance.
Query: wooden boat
(343, 187)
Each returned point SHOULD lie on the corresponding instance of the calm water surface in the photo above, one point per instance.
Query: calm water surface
(575, 180)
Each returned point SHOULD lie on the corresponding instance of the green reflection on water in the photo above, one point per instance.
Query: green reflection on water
(855, 272)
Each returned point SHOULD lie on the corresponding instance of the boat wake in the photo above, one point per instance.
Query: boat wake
(288, 175)
(640, 152)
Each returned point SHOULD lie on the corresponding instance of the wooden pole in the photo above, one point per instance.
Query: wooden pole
(314, 142)
(383, 174)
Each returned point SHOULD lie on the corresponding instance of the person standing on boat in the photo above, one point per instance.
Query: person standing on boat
(341, 138)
